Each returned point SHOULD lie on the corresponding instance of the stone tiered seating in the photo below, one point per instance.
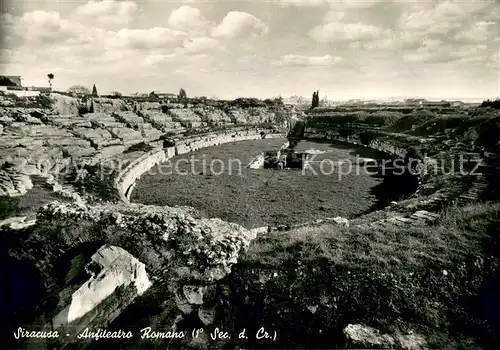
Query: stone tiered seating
(116, 128)
(150, 106)
(186, 117)
(238, 116)
(99, 137)
(129, 118)
(33, 136)
(150, 133)
(214, 116)
(69, 121)
(13, 183)
(162, 121)
(28, 119)
(104, 120)
(6, 120)
(127, 135)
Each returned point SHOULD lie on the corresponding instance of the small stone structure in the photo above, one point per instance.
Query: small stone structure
(285, 158)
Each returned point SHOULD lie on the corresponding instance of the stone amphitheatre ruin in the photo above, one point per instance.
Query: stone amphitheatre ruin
(67, 176)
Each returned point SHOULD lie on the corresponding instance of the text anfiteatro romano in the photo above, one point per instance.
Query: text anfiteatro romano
(145, 333)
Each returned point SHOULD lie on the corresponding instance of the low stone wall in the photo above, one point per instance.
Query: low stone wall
(382, 146)
(127, 178)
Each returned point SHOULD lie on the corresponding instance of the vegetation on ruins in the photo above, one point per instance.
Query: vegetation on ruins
(79, 90)
(153, 97)
(116, 94)
(436, 280)
(493, 104)
(315, 99)
(182, 94)
(40, 101)
(139, 147)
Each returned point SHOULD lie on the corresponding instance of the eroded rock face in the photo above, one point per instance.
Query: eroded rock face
(367, 337)
(119, 268)
(360, 336)
(186, 252)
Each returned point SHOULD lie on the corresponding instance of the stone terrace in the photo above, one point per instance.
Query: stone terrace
(162, 121)
(42, 141)
(186, 117)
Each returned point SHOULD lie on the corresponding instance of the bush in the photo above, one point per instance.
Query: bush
(8, 206)
(139, 147)
(493, 104)
(368, 136)
(44, 101)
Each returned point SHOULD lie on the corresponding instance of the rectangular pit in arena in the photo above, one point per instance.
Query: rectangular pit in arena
(286, 158)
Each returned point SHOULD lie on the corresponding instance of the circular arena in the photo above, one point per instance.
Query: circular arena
(221, 182)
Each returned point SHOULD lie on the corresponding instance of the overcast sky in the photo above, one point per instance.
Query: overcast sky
(347, 49)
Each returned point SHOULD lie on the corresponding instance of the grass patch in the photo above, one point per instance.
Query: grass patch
(441, 280)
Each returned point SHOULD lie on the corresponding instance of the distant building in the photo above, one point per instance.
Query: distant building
(415, 101)
(10, 80)
(41, 89)
(166, 95)
(437, 104)
(12, 84)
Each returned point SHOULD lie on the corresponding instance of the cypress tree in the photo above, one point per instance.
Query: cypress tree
(315, 99)
(94, 91)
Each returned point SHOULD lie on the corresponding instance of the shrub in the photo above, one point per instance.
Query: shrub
(8, 206)
(368, 136)
(139, 147)
(493, 104)
(44, 101)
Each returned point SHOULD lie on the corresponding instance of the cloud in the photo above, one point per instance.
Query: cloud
(309, 61)
(479, 31)
(440, 17)
(108, 11)
(197, 45)
(355, 4)
(333, 16)
(301, 3)
(189, 19)
(438, 52)
(42, 28)
(152, 38)
(240, 24)
(335, 31)
(334, 4)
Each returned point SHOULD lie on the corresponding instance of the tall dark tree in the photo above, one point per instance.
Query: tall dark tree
(183, 97)
(94, 91)
(182, 94)
(50, 76)
(315, 99)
